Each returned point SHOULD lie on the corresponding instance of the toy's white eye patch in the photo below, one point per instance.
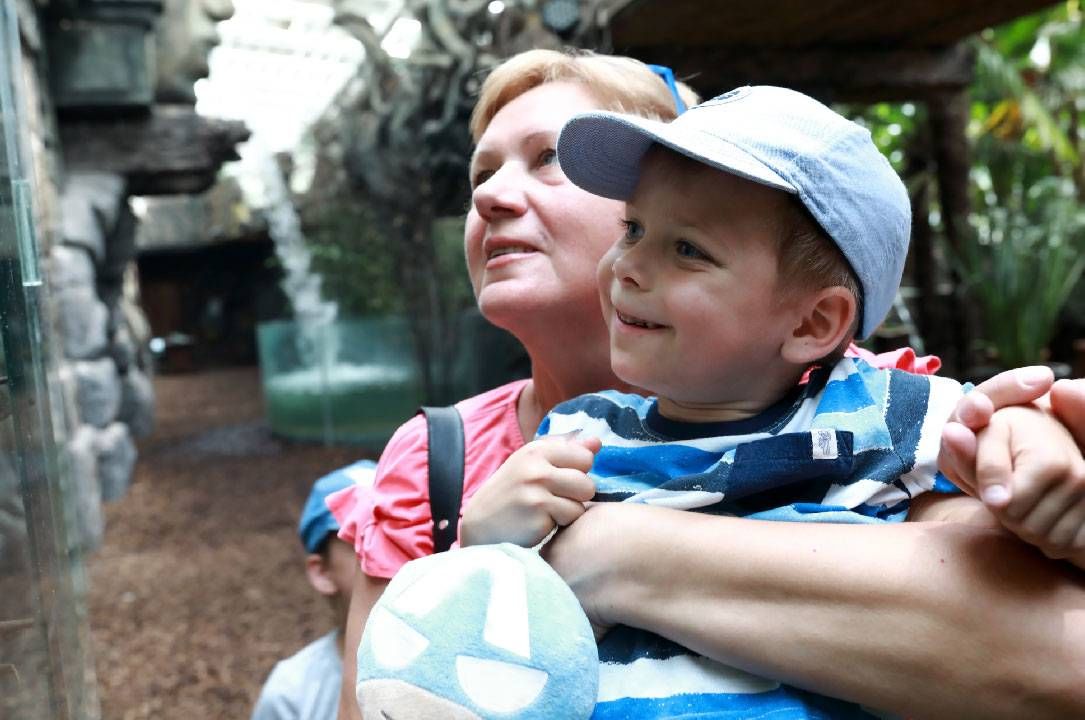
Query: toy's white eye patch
(499, 686)
(395, 643)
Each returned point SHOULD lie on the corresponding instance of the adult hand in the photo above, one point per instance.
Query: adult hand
(1068, 404)
(542, 485)
(581, 554)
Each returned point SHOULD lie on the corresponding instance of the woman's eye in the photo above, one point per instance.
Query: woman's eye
(633, 230)
(549, 156)
(689, 250)
(480, 177)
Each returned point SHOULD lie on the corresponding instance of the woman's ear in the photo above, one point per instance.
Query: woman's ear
(825, 320)
(319, 577)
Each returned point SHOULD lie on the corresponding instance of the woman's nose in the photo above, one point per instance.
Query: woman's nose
(501, 195)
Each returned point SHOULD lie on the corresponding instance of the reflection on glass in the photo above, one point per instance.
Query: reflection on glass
(43, 673)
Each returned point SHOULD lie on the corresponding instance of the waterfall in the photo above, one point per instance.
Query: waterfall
(318, 343)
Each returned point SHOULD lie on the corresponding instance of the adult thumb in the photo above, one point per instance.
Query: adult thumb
(1068, 404)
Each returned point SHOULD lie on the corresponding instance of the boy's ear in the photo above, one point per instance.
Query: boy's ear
(317, 571)
(823, 323)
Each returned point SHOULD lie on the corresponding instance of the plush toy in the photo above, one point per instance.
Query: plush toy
(480, 632)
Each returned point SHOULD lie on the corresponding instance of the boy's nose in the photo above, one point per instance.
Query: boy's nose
(630, 269)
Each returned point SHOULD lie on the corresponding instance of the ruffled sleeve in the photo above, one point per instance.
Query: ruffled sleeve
(903, 359)
(391, 524)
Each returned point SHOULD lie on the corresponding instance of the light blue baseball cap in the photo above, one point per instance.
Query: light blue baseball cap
(779, 138)
(316, 519)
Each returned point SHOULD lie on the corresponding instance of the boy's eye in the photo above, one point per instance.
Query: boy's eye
(689, 250)
(633, 230)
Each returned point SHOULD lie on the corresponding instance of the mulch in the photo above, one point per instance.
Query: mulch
(199, 587)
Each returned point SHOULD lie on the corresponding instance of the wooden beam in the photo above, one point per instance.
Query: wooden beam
(830, 74)
(780, 25)
(171, 151)
(948, 114)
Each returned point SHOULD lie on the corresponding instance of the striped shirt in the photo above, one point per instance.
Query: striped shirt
(853, 445)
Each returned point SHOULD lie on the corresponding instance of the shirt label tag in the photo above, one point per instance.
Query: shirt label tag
(824, 444)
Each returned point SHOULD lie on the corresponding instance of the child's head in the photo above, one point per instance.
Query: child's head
(330, 562)
(764, 231)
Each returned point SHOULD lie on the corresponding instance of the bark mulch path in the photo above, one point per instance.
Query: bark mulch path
(199, 586)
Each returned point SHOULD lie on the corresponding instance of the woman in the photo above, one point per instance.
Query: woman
(532, 242)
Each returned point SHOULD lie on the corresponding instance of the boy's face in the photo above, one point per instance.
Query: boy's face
(690, 292)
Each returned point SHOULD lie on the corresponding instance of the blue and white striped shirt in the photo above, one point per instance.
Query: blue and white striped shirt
(853, 445)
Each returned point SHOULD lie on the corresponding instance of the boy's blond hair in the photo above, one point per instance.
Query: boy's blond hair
(809, 259)
(620, 84)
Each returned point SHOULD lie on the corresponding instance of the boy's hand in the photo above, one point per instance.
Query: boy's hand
(542, 485)
(1031, 475)
(1020, 386)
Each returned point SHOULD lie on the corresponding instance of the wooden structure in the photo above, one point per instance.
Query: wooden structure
(842, 51)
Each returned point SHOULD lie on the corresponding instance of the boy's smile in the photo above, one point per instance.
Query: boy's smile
(691, 295)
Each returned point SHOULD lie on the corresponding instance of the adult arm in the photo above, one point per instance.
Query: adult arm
(367, 590)
(926, 619)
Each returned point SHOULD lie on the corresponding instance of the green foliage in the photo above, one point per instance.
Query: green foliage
(1028, 254)
(891, 126)
(353, 260)
(358, 266)
(451, 267)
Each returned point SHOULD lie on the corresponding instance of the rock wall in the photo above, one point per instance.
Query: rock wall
(103, 336)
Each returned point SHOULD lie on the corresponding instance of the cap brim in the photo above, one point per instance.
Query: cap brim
(601, 152)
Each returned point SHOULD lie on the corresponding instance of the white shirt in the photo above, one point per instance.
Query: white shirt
(304, 686)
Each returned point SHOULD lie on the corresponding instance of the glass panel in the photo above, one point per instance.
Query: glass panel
(42, 621)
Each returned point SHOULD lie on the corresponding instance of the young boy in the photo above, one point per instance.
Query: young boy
(305, 686)
(763, 232)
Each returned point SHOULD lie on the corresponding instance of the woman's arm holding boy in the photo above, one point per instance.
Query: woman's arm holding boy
(948, 617)
(924, 619)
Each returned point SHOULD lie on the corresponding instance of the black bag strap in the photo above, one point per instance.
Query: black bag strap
(445, 462)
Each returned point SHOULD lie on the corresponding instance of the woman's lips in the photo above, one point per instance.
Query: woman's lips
(511, 250)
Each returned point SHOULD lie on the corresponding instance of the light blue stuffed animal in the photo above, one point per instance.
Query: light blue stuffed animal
(477, 633)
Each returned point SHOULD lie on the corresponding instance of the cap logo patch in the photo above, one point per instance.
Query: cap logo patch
(729, 96)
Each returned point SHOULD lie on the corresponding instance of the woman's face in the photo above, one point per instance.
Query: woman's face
(533, 239)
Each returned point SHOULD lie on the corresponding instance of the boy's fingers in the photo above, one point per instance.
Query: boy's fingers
(957, 456)
(994, 470)
(1065, 529)
(1018, 386)
(564, 511)
(566, 453)
(1068, 403)
(571, 484)
(974, 410)
(1050, 507)
(593, 444)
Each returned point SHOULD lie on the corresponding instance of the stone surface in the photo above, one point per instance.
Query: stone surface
(98, 391)
(13, 541)
(116, 458)
(185, 37)
(120, 247)
(89, 205)
(82, 459)
(83, 321)
(173, 150)
(70, 265)
(122, 348)
(137, 403)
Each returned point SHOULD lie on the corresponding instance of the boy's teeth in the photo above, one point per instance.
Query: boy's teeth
(639, 323)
